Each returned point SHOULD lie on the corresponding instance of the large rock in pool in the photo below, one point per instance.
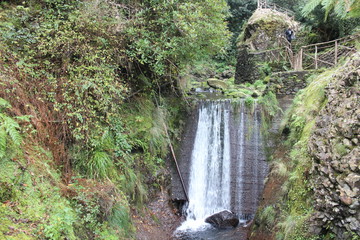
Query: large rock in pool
(223, 219)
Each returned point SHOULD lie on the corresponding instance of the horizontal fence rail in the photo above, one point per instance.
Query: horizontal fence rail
(264, 4)
(327, 54)
(313, 56)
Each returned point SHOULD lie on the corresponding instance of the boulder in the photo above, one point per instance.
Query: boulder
(261, 33)
(227, 74)
(223, 219)
(217, 84)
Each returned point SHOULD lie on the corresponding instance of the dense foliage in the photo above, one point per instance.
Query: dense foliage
(240, 10)
(326, 19)
(86, 88)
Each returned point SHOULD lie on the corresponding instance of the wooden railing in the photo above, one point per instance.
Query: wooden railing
(264, 4)
(326, 54)
(314, 56)
(282, 52)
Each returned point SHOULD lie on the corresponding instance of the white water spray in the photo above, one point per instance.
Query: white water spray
(209, 191)
(225, 163)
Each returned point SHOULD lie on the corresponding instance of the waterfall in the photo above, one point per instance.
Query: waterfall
(226, 166)
(210, 167)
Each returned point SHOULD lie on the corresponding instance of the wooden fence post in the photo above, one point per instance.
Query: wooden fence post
(301, 59)
(316, 62)
(336, 52)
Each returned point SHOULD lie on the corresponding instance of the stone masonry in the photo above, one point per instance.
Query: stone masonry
(335, 148)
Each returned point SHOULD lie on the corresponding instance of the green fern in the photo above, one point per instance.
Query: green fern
(339, 7)
(97, 159)
(355, 10)
(328, 5)
(267, 216)
(2, 142)
(9, 129)
(4, 104)
(120, 219)
(310, 6)
(12, 129)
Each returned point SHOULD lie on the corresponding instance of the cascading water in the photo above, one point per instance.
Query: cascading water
(227, 166)
(210, 167)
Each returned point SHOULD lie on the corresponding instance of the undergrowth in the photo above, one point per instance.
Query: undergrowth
(83, 106)
(295, 203)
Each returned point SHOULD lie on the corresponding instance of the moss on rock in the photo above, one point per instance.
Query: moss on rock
(217, 84)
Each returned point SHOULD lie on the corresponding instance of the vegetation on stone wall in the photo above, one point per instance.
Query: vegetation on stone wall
(290, 215)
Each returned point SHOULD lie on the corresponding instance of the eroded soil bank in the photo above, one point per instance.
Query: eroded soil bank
(158, 221)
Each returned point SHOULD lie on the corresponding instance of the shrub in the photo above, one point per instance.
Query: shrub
(267, 217)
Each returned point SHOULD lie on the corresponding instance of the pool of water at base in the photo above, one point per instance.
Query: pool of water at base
(212, 233)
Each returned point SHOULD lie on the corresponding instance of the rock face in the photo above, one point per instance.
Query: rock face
(223, 219)
(246, 70)
(261, 33)
(264, 28)
(335, 148)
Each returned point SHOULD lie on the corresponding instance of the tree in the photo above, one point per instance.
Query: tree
(167, 35)
(341, 8)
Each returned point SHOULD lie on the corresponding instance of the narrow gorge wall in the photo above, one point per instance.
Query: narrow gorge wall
(335, 148)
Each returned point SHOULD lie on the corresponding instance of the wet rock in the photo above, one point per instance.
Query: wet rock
(354, 164)
(353, 212)
(348, 191)
(246, 70)
(325, 170)
(223, 219)
(327, 183)
(258, 36)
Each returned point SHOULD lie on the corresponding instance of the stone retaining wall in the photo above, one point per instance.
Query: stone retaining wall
(335, 148)
(287, 83)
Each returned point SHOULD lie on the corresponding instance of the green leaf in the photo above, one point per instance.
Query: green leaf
(4, 104)
(2, 142)
(11, 128)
